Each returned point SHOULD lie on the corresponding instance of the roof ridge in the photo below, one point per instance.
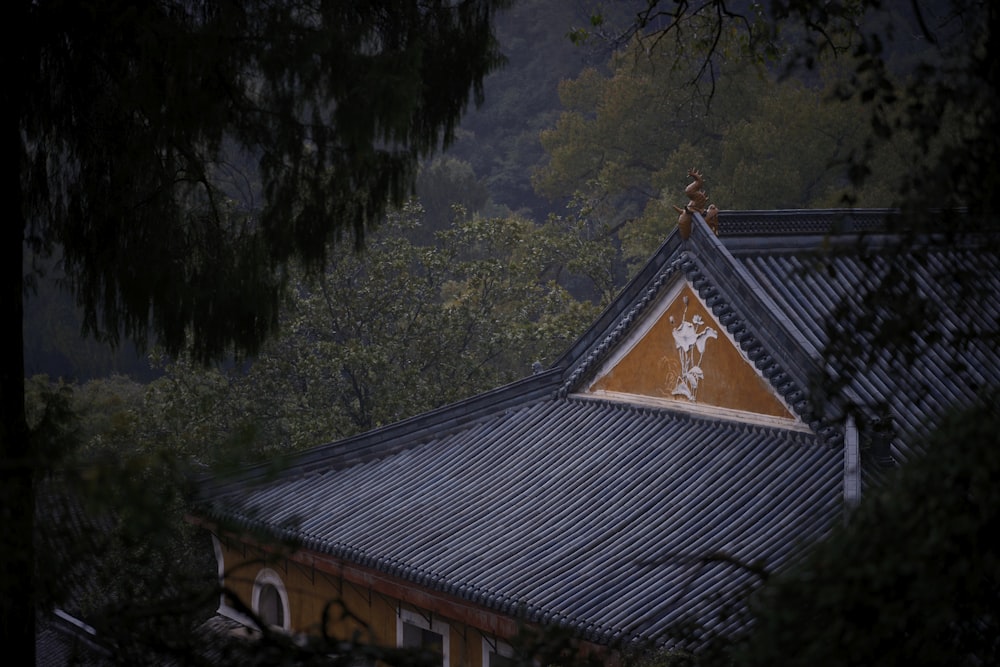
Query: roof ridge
(399, 435)
(755, 222)
(741, 307)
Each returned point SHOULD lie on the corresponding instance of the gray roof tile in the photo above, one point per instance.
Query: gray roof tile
(807, 281)
(592, 512)
(614, 519)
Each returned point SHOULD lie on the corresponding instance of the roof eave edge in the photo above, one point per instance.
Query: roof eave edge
(613, 312)
(759, 311)
(399, 435)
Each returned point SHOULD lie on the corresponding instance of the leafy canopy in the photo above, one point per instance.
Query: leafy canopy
(178, 153)
(172, 156)
(399, 329)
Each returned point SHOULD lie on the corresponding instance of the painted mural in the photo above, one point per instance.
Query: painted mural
(682, 354)
(691, 337)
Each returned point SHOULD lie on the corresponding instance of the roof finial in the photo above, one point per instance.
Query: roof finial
(712, 218)
(697, 200)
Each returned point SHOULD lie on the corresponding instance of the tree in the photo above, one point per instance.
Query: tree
(443, 184)
(608, 149)
(500, 140)
(388, 333)
(625, 141)
(131, 128)
(921, 70)
(899, 586)
(912, 578)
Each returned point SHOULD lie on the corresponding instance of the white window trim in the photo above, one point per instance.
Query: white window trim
(433, 624)
(498, 646)
(268, 576)
(221, 569)
(225, 610)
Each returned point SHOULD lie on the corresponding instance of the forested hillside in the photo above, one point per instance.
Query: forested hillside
(594, 135)
(553, 193)
(487, 169)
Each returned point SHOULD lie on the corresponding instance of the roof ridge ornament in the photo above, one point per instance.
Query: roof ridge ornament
(697, 202)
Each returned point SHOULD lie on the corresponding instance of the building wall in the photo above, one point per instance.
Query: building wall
(353, 603)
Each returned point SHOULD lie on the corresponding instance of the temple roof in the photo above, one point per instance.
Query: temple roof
(674, 452)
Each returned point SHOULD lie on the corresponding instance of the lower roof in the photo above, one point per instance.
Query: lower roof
(616, 520)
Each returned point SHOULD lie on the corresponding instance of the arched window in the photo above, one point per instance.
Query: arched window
(271, 610)
(270, 600)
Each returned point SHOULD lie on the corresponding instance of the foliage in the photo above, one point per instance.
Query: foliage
(113, 547)
(385, 334)
(442, 184)
(331, 106)
(919, 71)
(896, 585)
(609, 145)
(175, 157)
(622, 147)
(500, 139)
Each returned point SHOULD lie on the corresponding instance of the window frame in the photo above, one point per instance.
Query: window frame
(498, 646)
(429, 622)
(268, 577)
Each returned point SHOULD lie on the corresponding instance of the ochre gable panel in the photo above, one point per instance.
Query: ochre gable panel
(684, 355)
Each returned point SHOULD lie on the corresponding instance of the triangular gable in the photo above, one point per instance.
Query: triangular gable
(679, 356)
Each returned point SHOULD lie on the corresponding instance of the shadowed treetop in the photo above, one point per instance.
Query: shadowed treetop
(178, 153)
(173, 156)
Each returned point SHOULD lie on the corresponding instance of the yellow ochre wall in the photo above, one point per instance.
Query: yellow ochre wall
(353, 610)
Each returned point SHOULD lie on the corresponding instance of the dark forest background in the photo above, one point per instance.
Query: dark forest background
(556, 189)
(487, 169)
(592, 134)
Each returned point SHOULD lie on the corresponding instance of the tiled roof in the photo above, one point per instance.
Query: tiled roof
(761, 329)
(805, 282)
(614, 520)
(610, 518)
(61, 639)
